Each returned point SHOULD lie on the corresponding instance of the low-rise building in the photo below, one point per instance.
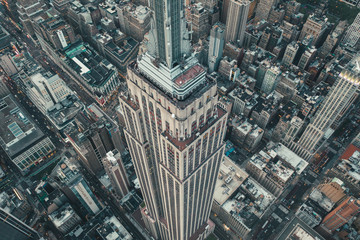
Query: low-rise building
(53, 98)
(65, 218)
(24, 143)
(52, 31)
(245, 134)
(96, 75)
(275, 167)
(322, 200)
(266, 108)
(111, 228)
(348, 168)
(121, 54)
(134, 20)
(308, 215)
(239, 201)
(15, 203)
(244, 101)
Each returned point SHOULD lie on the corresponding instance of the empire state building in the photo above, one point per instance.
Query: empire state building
(174, 129)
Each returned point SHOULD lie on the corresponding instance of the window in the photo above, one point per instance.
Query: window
(201, 120)
(193, 127)
(208, 114)
(167, 126)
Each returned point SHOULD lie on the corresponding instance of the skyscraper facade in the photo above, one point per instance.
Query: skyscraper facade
(174, 130)
(28, 10)
(216, 46)
(236, 21)
(290, 53)
(263, 9)
(344, 91)
(352, 36)
(115, 170)
(170, 25)
(271, 79)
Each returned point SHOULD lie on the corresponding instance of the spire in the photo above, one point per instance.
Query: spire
(172, 39)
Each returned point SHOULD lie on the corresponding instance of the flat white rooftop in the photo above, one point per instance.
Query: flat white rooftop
(231, 176)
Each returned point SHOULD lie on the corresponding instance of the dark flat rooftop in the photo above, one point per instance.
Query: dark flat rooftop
(122, 53)
(98, 73)
(15, 123)
(9, 232)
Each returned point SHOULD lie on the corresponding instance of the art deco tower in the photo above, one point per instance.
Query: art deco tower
(236, 21)
(340, 97)
(174, 129)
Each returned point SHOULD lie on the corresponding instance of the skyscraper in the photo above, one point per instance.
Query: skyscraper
(114, 168)
(236, 21)
(263, 9)
(352, 36)
(344, 91)
(271, 79)
(75, 186)
(28, 10)
(216, 46)
(174, 129)
(315, 27)
(171, 32)
(290, 53)
(342, 214)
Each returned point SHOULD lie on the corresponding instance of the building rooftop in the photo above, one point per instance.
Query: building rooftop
(189, 74)
(112, 229)
(277, 160)
(263, 197)
(26, 62)
(246, 95)
(122, 53)
(17, 131)
(84, 60)
(322, 200)
(196, 92)
(64, 112)
(231, 176)
(250, 203)
(310, 212)
(141, 13)
(268, 163)
(290, 157)
(296, 229)
(62, 215)
(67, 172)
